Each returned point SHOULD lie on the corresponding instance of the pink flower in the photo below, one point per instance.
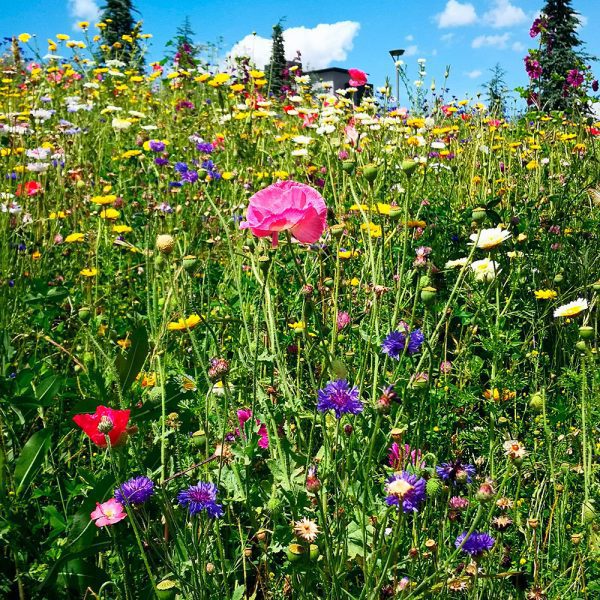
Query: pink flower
(287, 205)
(108, 513)
(357, 77)
(245, 414)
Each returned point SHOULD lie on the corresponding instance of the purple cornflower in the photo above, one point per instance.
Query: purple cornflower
(160, 161)
(181, 167)
(156, 145)
(405, 490)
(190, 176)
(135, 491)
(476, 544)
(201, 497)
(339, 397)
(211, 169)
(205, 147)
(456, 472)
(393, 345)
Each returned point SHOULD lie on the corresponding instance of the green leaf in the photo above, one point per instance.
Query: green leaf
(238, 593)
(47, 389)
(130, 365)
(31, 458)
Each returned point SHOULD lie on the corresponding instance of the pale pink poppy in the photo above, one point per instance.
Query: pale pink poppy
(108, 513)
(287, 206)
(357, 77)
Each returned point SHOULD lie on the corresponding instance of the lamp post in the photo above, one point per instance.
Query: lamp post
(396, 54)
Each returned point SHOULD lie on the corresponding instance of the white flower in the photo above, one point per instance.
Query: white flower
(38, 153)
(41, 114)
(485, 269)
(489, 238)
(120, 124)
(302, 139)
(572, 308)
(459, 262)
(300, 152)
(37, 167)
(438, 145)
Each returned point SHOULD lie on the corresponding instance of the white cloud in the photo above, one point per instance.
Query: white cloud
(474, 74)
(409, 38)
(504, 14)
(447, 37)
(84, 10)
(320, 45)
(491, 41)
(411, 50)
(456, 14)
(583, 21)
(518, 47)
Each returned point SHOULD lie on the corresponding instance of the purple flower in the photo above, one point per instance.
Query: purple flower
(160, 161)
(339, 397)
(181, 167)
(135, 491)
(533, 67)
(399, 456)
(205, 147)
(537, 26)
(201, 497)
(476, 544)
(343, 319)
(393, 345)
(574, 78)
(405, 490)
(190, 176)
(156, 145)
(456, 472)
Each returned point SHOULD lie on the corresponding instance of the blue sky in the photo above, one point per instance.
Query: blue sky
(470, 35)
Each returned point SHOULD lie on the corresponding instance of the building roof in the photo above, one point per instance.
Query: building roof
(328, 70)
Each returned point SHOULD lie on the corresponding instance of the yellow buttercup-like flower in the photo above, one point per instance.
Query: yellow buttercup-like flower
(545, 294)
(75, 237)
(110, 214)
(183, 324)
(88, 272)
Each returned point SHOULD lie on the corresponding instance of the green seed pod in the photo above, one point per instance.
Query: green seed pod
(581, 345)
(536, 402)
(428, 294)
(370, 172)
(84, 313)
(338, 369)
(558, 278)
(433, 487)
(348, 166)
(314, 552)
(337, 230)
(189, 262)
(586, 332)
(155, 395)
(296, 553)
(478, 214)
(166, 590)
(328, 282)
(395, 213)
(264, 263)
(596, 286)
(409, 166)
(588, 512)
(199, 439)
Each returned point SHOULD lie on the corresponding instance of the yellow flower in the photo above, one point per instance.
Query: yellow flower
(88, 272)
(219, 79)
(24, 37)
(109, 199)
(545, 294)
(256, 74)
(57, 215)
(75, 237)
(110, 213)
(125, 343)
(122, 229)
(532, 164)
(359, 207)
(183, 324)
(354, 282)
(374, 230)
(83, 25)
(298, 326)
(63, 36)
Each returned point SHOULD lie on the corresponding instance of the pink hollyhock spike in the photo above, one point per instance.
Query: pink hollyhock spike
(108, 513)
(287, 206)
(104, 422)
(357, 77)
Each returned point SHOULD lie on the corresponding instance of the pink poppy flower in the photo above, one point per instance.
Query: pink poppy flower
(287, 205)
(357, 77)
(244, 415)
(108, 513)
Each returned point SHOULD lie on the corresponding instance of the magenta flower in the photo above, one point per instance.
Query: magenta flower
(357, 77)
(244, 415)
(287, 206)
(574, 78)
(108, 513)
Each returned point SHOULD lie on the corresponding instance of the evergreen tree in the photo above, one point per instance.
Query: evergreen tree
(186, 55)
(278, 65)
(496, 90)
(118, 17)
(560, 58)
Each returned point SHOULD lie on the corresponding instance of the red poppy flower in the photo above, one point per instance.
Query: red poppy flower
(105, 422)
(31, 188)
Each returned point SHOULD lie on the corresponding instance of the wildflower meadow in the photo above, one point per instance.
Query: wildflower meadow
(293, 345)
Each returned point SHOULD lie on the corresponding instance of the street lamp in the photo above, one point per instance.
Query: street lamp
(396, 54)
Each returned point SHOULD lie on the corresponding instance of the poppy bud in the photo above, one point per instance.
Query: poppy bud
(370, 172)
(408, 166)
(348, 166)
(428, 295)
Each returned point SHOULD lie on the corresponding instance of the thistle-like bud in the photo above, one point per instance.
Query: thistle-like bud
(433, 487)
(218, 369)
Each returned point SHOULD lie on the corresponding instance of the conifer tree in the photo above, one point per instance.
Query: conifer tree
(496, 91)
(186, 54)
(118, 18)
(561, 60)
(277, 67)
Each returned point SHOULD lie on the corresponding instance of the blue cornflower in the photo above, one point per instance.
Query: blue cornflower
(205, 147)
(476, 544)
(405, 490)
(181, 167)
(201, 497)
(393, 345)
(160, 161)
(339, 397)
(190, 176)
(156, 145)
(456, 472)
(135, 491)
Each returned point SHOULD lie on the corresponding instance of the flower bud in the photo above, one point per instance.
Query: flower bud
(486, 492)
(533, 523)
(370, 172)
(218, 369)
(84, 313)
(348, 166)
(536, 402)
(433, 487)
(576, 539)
